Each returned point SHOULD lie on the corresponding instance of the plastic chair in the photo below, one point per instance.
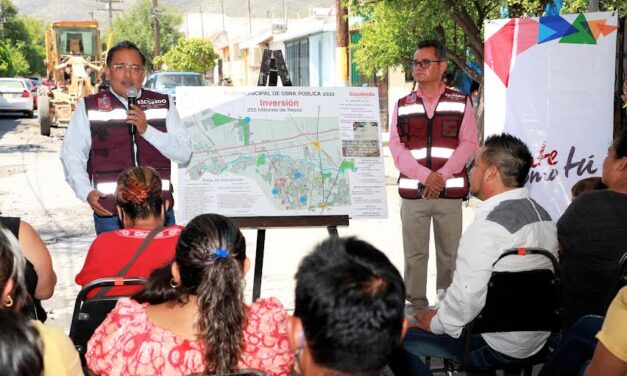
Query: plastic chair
(90, 313)
(518, 301)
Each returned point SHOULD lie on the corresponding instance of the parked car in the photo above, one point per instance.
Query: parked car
(166, 82)
(16, 96)
(33, 84)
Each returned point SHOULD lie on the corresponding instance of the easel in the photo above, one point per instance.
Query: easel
(272, 67)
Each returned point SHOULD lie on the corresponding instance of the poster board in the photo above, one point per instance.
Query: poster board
(282, 151)
(550, 81)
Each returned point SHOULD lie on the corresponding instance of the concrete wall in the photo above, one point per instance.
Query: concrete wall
(398, 88)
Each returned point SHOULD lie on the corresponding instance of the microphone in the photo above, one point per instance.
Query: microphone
(131, 96)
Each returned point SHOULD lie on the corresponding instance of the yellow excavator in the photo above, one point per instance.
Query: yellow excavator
(74, 62)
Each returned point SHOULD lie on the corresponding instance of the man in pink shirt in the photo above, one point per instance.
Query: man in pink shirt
(432, 136)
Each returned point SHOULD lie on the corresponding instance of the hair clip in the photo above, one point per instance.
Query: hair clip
(220, 253)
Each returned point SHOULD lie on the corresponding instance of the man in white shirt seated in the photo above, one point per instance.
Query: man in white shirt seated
(507, 218)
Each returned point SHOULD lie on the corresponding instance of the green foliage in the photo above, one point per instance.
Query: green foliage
(20, 61)
(196, 55)
(135, 25)
(23, 41)
(34, 50)
(576, 6)
(6, 62)
(391, 28)
(390, 37)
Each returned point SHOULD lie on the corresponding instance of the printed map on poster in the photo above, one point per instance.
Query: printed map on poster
(281, 151)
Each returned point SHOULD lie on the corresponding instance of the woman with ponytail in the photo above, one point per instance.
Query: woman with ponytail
(143, 244)
(191, 317)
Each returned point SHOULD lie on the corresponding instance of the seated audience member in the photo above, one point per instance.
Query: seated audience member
(21, 347)
(39, 275)
(610, 355)
(60, 356)
(578, 347)
(349, 310)
(585, 185)
(507, 218)
(592, 234)
(191, 317)
(575, 349)
(143, 242)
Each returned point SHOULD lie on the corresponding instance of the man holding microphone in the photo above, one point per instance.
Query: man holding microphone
(109, 133)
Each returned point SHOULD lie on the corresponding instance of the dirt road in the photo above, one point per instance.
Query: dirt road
(32, 187)
(32, 184)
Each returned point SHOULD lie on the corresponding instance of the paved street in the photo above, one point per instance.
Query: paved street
(32, 187)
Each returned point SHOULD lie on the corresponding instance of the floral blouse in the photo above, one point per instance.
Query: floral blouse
(126, 343)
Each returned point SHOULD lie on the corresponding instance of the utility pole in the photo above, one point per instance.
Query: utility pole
(109, 8)
(222, 6)
(250, 22)
(155, 27)
(186, 26)
(202, 24)
(341, 51)
(285, 13)
(3, 20)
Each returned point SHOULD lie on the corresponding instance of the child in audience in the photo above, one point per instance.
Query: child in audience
(191, 316)
(143, 244)
(588, 184)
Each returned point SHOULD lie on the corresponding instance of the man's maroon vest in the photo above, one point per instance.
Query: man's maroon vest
(112, 146)
(432, 141)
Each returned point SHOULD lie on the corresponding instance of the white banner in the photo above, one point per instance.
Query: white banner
(282, 151)
(550, 81)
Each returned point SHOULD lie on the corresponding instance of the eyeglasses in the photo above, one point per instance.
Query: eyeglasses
(424, 64)
(134, 68)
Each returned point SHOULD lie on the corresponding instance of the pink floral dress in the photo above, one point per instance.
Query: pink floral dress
(126, 343)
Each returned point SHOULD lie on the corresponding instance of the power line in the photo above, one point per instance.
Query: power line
(109, 8)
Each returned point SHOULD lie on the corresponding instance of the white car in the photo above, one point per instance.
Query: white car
(16, 96)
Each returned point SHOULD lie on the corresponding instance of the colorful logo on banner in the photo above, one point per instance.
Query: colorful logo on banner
(527, 32)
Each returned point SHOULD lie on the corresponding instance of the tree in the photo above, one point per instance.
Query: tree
(23, 41)
(391, 29)
(35, 51)
(135, 25)
(6, 62)
(20, 62)
(196, 55)
(576, 6)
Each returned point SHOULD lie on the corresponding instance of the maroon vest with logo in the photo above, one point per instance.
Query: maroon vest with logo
(112, 145)
(432, 141)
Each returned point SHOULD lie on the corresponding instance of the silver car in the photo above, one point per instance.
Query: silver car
(167, 82)
(16, 96)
